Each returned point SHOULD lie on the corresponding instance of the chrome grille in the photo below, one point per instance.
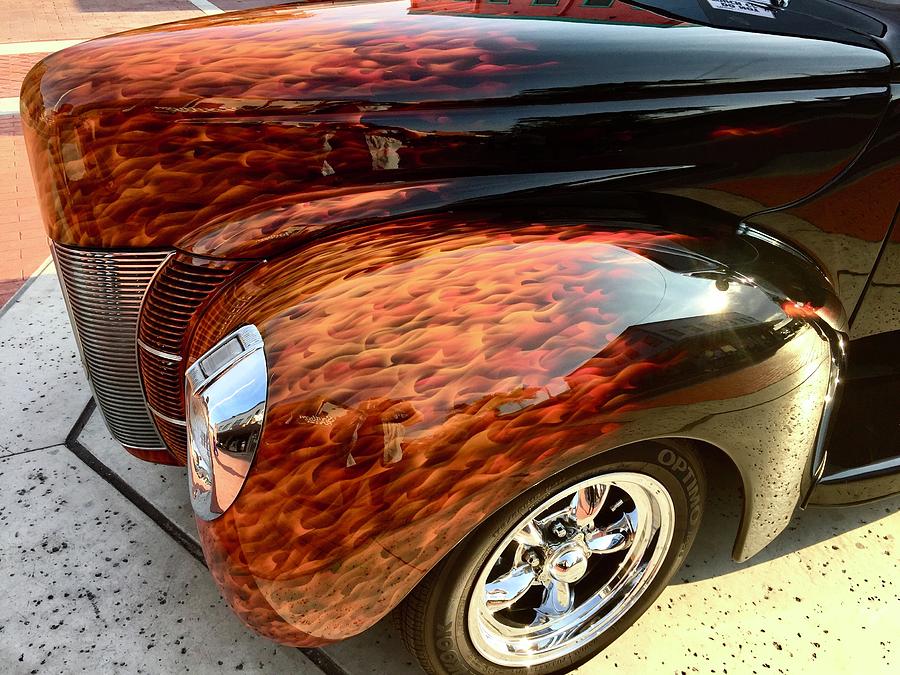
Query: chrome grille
(103, 291)
(180, 290)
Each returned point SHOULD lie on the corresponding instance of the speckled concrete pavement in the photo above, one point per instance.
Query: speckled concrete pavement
(89, 583)
(92, 583)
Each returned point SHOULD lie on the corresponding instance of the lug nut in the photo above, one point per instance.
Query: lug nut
(559, 529)
(532, 558)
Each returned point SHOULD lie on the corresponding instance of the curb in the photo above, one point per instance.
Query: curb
(25, 285)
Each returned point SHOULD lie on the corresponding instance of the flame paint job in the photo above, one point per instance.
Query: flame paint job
(188, 133)
(423, 373)
(425, 369)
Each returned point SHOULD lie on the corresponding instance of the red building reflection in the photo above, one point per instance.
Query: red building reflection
(607, 11)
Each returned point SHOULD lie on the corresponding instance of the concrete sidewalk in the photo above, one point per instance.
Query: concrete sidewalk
(99, 555)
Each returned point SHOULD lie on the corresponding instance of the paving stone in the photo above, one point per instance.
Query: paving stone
(91, 585)
(23, 243)
(13, 69)
(42, 386)
(8, 288)
(377, 651)
(163, 486)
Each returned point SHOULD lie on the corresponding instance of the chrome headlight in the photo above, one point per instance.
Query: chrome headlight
(225, 391)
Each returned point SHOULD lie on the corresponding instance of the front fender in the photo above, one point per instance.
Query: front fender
(424, 373)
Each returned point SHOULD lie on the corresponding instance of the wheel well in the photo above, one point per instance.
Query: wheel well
(716, 462)
(728, 483)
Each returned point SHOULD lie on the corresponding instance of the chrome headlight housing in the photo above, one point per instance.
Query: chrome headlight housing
(225, 392)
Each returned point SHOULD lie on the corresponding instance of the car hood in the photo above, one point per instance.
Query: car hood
(410, 52)
(142, 138)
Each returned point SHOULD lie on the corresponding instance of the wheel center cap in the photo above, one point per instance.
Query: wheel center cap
(568, 564)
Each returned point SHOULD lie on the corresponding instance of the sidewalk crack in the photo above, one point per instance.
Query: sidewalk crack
(25, 452)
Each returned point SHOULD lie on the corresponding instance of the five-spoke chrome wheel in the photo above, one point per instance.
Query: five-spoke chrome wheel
(570, 569)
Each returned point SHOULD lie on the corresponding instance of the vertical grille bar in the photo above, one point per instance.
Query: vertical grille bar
(104, 291)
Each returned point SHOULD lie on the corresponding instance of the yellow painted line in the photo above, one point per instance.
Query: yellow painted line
(9, 105)
(37, 47)
(206, 6)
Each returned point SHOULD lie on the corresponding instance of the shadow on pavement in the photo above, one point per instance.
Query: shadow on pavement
(711, 555)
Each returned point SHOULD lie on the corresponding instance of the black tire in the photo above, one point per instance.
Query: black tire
(432, 619)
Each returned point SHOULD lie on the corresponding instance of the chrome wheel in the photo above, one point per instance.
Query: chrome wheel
(570, 569)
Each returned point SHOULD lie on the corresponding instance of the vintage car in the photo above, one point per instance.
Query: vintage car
(455, 308)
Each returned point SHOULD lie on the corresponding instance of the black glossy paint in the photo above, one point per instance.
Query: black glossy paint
(866, 432)
(840, 22)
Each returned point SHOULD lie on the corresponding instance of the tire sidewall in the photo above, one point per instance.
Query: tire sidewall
(674, 465)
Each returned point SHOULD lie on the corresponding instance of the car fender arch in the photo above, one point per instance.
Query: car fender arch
(424, 372)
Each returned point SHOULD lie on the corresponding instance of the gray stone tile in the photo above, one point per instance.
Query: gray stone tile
(42, 386)
(163, 486)
(91, 585)
(822, 599)
(378, 650)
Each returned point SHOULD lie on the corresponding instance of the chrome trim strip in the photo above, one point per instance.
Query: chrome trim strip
(175, 358)
(888, 465)
(832, 397)
(751, 231)
(166, 418)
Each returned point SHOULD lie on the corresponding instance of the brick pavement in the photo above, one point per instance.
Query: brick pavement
(69, 19)
(13, 69)
(23, 244)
